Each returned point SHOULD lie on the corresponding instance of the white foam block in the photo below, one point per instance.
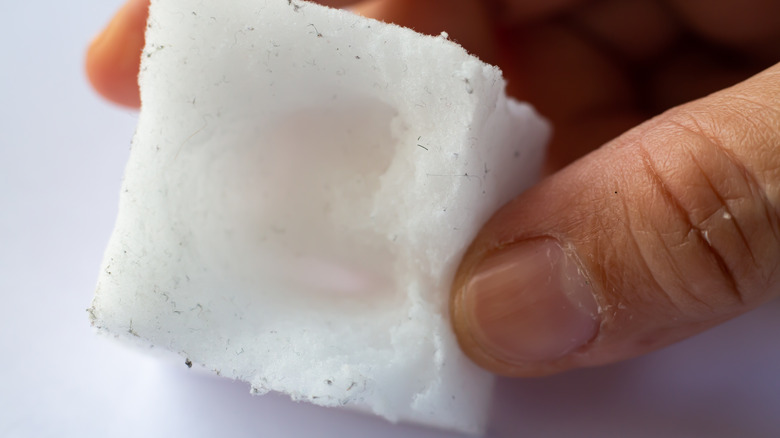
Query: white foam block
(301, 187)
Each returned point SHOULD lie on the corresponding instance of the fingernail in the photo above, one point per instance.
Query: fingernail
(530, 303)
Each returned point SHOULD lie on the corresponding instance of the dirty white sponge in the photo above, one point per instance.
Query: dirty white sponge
(301, 187)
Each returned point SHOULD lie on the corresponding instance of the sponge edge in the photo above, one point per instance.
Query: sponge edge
(301, 187)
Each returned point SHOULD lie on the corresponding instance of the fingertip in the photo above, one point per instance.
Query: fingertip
(521, 310)
(114, 56)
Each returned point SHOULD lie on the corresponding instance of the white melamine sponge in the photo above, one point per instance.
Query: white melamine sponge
(301, 187)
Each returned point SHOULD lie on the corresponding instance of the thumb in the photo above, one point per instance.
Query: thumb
(664, 232)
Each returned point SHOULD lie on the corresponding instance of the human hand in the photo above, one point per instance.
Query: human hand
(667, 230)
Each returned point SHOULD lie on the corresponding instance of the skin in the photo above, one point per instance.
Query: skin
(674, 222)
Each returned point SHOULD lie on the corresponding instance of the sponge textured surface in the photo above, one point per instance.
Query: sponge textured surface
(301, 187)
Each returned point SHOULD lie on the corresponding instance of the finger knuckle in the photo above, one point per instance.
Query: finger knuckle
(716, 240)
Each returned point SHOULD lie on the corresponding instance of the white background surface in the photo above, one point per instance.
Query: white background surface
(62, 153)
